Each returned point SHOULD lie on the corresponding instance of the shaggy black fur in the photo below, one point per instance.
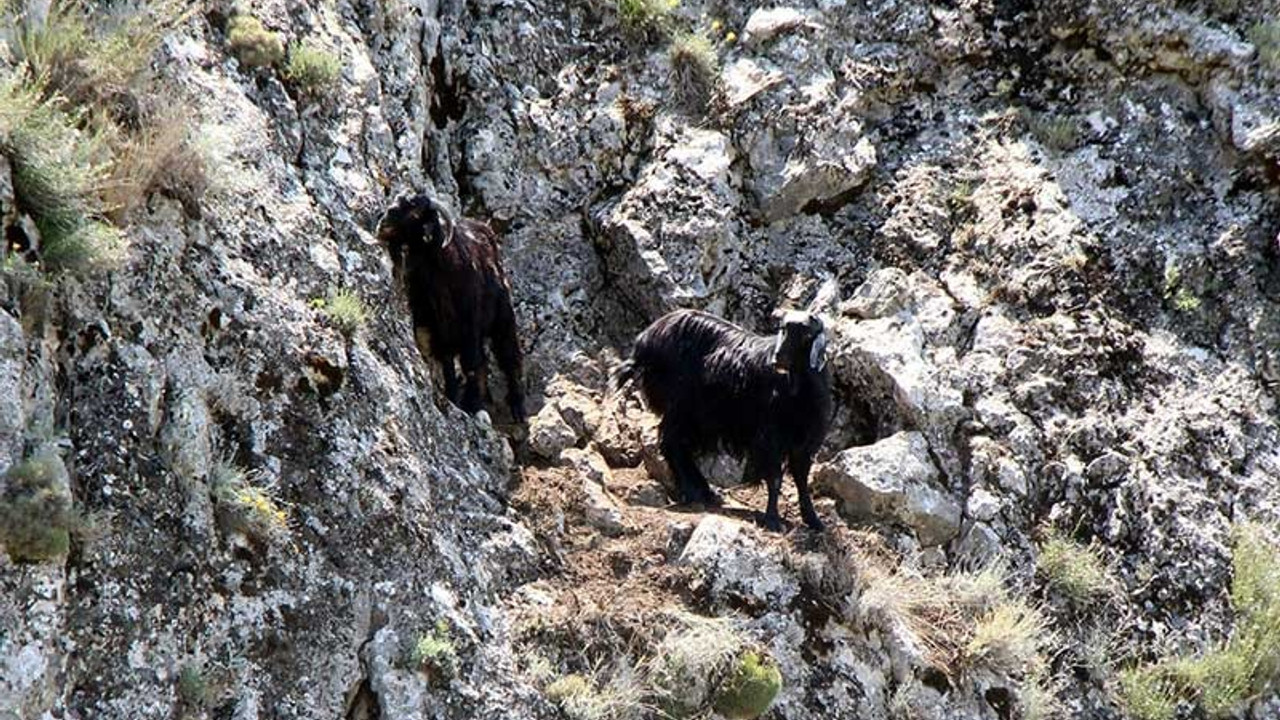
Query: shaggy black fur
(717, 386)
(458, 294)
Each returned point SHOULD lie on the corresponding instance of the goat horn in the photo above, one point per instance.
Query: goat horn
(778, 360)
(818, 353)
(446, 218)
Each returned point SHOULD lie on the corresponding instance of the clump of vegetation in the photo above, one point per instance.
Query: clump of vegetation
(78, 121)
(1053, 131)
(344, 309)
(252, 43)
(1229, 673)
(1176, 292)
(36, 517)
(194, 689)
(1008, 639)
(1266, 37)
(750, 690)
(59, 171)
(247, 508)
(583, 698)
(164, 156)
(705, 663)
(694, 69)
(434, 654)
(94, 58)
(1077, 571)
(313, 70)
(644, 16)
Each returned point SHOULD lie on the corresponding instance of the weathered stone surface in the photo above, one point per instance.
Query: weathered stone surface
(734, 564)
(894, 480)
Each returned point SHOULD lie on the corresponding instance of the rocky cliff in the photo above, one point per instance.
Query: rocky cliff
(1053, 236)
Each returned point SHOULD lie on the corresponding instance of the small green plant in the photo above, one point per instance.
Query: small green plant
(1077, 571)
(750, 690)
(694, 69)
(646, 15)
(434, 653)
(312, 69)
(344, 309)
(1146, 694)
(1266, 37)
(253, 44)
(1008, 639)
(58, 174)
(1053, 131)
(194, 689)
(247, 508)
(36, 517)
(1176, 292)
(1226, 675)
(583, 698)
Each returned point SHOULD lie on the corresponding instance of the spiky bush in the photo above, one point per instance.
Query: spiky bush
(252, 43)
(59, 171)
(694, 70)
(1224, 676)
(36, 516)
(1077, 571)
(313, 70)
(643, 16)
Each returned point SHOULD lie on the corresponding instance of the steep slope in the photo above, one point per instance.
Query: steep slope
(1053, 232)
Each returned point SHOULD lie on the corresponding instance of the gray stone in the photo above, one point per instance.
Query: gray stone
(894, 480)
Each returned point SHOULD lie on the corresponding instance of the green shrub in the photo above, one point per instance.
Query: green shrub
(1076, 571)
(194, 689)
(645, 15)
(312, 69)
(751, 688)
(694, 69)
(59, 171)
(1265, 36)
(1226, 675)
(1008, 639)
(246, 508)
(434, 653)
(36, 517)
(1145, 694)
(344, 309)
(582, 698)
(93, 58)
(252, 44)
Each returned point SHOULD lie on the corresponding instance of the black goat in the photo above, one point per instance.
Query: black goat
(458, 294)
(718, 386)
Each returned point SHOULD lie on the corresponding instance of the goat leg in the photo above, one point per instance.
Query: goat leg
(473, 378)
(800, 465)
(506, 348)
(772, 520)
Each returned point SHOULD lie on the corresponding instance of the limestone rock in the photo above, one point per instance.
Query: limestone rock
(894, 480)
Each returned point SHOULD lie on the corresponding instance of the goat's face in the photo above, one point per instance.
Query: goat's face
(416, 219)
(801, 344)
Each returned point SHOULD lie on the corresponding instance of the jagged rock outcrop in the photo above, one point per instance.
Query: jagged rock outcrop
(1053, 233)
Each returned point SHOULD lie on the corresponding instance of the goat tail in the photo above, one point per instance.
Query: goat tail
(625, 374)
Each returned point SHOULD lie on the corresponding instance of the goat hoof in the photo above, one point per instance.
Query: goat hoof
(772, 523)
(711, 499)
(814, 523)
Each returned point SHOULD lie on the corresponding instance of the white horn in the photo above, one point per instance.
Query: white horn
(818, 353)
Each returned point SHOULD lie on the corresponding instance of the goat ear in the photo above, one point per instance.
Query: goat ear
(818, 353)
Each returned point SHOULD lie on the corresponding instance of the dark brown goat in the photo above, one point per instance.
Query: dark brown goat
(458, 294)
(766, 398)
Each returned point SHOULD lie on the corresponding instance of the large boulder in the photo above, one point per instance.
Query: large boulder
(894, 479)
